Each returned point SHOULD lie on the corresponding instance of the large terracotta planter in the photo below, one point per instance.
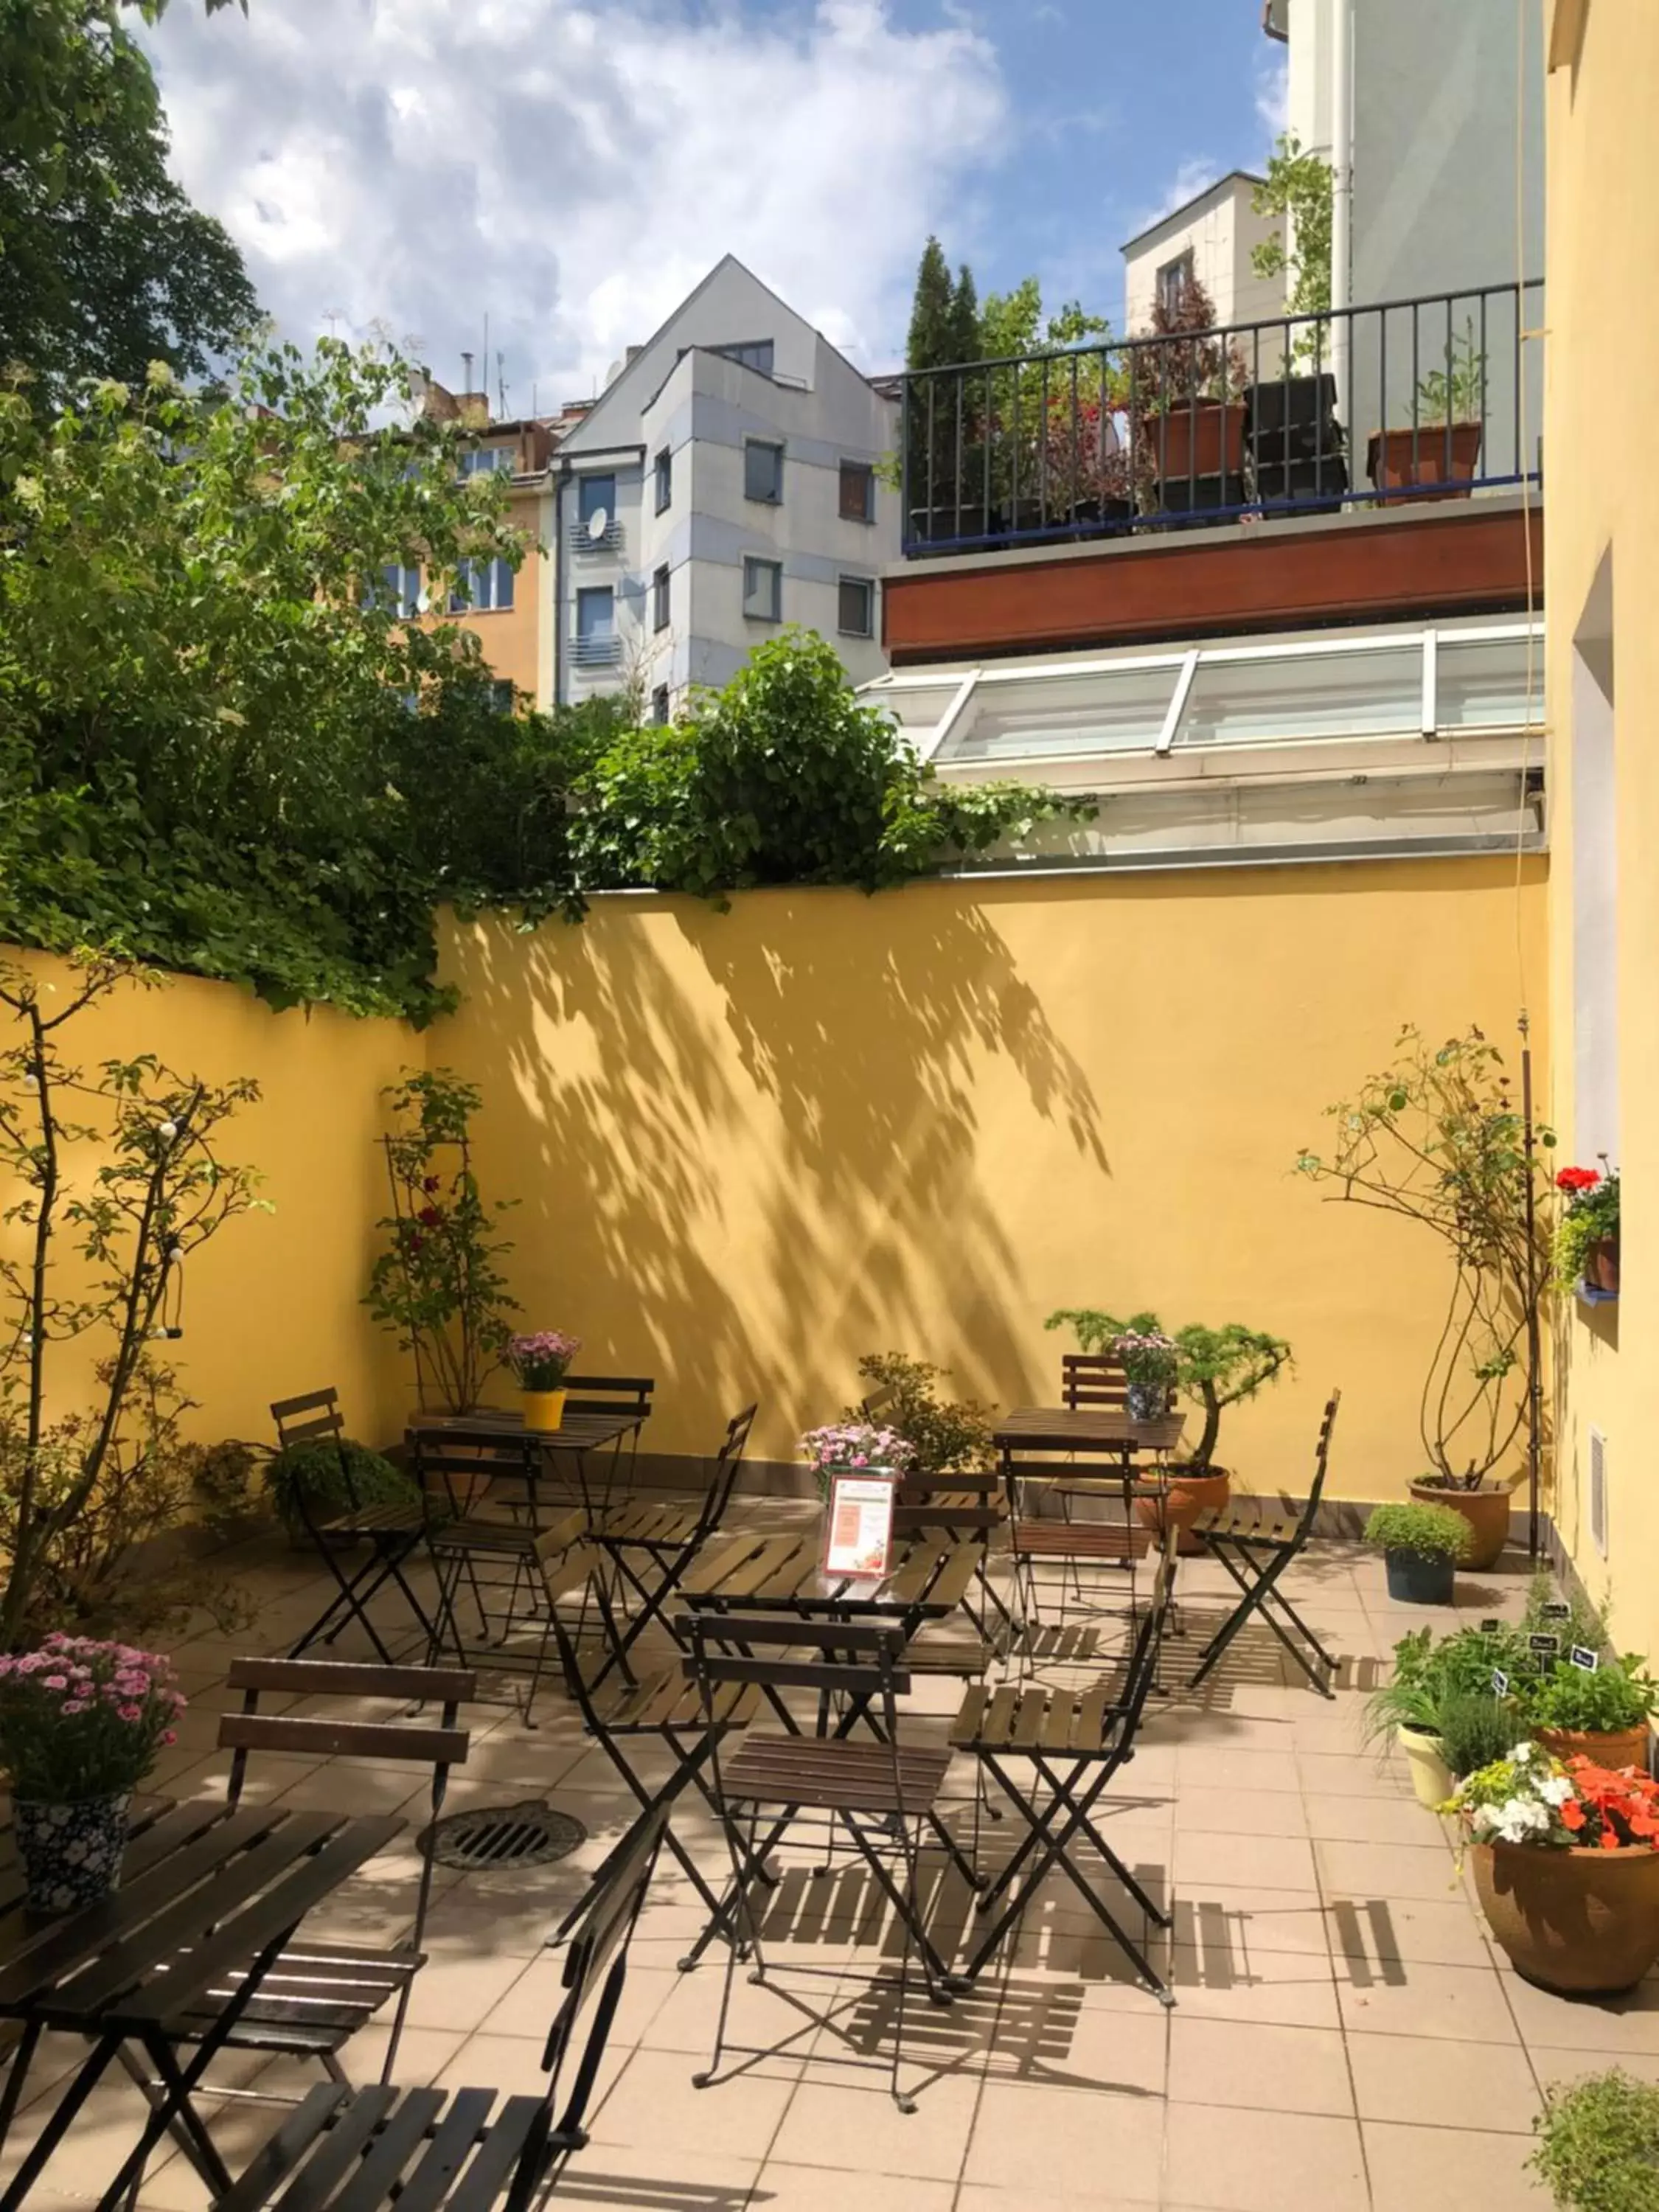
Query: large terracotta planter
(1404, 461)
(1614, 1748)
(1181, 1503)
(1583, 1923)
(1487, 1511)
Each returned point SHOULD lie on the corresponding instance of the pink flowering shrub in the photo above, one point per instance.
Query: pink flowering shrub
(855, 1444)
(82, 1719)
(540, 1360)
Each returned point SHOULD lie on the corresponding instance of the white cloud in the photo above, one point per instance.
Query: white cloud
(1189, 179)
(1273, 93)
(573, 169)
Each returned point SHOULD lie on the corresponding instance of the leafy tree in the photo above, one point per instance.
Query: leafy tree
(105, 266)
(205, 704)
(783, 777)
(928, 345)
(1298, 190)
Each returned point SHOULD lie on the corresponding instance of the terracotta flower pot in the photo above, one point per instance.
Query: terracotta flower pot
(1614, 1748)
(1584, 1922)
(1204, 438)
(1602, 1265)
(1487, 1511)
(1181, 1503)
(1432, 454)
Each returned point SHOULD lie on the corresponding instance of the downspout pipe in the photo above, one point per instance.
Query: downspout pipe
(1342, 196)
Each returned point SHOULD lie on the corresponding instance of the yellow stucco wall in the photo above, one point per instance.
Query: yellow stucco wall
(1603, 334)
(271, 1303)
(750, 1145)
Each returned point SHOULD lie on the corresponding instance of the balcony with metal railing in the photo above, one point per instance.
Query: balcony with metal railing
(1398, 405)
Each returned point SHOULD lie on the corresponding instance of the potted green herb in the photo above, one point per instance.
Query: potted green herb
(1438, 1701)
(1407, 1708)
(1476, 1728)
(80, 1722)
(1441, 445)
(1586, 1249)
(1601, 1712)
(1422, 1545)
(1598, 2144)
(315, 1481)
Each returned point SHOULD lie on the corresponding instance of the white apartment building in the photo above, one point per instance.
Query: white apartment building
(1212, 237)
(723, 484)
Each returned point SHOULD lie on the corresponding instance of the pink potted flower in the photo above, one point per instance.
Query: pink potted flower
(541, 1361)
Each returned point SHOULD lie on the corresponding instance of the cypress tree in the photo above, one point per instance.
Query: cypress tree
(932, 312)
(965, 341)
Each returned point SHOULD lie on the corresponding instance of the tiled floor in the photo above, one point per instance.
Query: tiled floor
(1343, 2035)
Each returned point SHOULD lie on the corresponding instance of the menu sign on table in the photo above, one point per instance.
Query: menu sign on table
(858, 1525)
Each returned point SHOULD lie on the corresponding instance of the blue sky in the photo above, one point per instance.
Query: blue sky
(570, 168)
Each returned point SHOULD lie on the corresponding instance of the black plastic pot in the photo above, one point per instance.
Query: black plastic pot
(1294, 412)
(1421, 1577)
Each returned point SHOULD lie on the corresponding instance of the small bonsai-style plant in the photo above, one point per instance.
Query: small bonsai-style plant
(1455, 392)
(1433, 1532)
(542, 1360)
(1214, 1367)
(1475, 1729)
(319, 1479)
(945, 1434)
(1590, 1217)
(439, 1282)
(855, 1444)
(1596, 1700)
(1598, 2144)
(81, 1720)
(1437, 1138)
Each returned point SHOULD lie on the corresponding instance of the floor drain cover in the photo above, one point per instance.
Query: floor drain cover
(531, 1834)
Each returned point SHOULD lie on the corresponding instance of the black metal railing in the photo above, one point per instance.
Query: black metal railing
(1191, 427)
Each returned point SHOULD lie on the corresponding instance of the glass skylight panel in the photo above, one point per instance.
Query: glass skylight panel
(1033, 717)
(1480, 684)
(1289, 697)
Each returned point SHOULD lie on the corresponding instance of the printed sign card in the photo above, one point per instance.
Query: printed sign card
(1557, 1610)
(1545, 1650)
(1500, 1683)
(1589, 1661)
(858, 1525)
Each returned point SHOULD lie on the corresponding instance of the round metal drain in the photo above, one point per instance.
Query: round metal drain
(529, 1834)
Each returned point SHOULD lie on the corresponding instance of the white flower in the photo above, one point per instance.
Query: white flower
(166, 1131)
(1555, 1788)
(1523, 1755)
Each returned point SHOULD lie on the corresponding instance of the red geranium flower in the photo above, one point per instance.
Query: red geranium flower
(1577, 1179)
(431, 1215)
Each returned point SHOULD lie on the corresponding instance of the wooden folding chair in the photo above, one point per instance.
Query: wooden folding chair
(432, 2150)
(1065, 1736)
(390, 1532)
(487, 1499)
(319, 1995)
(1256, 1548)
(618, 1397)
(881, 1792)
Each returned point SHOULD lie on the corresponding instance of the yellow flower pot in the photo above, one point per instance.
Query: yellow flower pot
(543, 1410)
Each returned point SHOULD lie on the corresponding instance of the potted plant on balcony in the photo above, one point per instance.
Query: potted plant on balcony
(541, 1361)
(1598, 2144)
(81, 1724)
(1440, 1706)
(1587, 1235)
(1566, 1868)
(1437, 1138)
(1439, 448)
(1421, 1545)
(1186, 406)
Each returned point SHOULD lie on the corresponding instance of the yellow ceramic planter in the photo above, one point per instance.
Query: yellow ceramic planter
(543, 1410)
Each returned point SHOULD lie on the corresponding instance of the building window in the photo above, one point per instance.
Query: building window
(1173, 278)
(487, 461)
(856, 614)
(596, 496)
(502, 696)
(858, 492)
(660, 598)
(398, 592)
(762, 472)
(754, 353)
(596, 624)
(482, 588)
(659, 706)
(762, 590)
(665, 481)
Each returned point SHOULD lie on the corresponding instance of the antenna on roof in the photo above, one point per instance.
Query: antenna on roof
(466, 362)
(501, 379)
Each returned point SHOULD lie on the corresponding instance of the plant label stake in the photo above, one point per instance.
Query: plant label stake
(1490, 1627)
(1589, 1661)
(1500, 1683)
(1556, 1610)
(1544, 1650)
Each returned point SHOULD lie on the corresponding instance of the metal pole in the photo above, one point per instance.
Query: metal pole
(1535, 1359)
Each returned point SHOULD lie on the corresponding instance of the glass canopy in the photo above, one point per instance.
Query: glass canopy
(1483, 679)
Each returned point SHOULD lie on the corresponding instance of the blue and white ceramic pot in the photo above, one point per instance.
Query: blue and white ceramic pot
(71, 1854)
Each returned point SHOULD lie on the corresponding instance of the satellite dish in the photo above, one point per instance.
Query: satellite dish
(598, 523)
